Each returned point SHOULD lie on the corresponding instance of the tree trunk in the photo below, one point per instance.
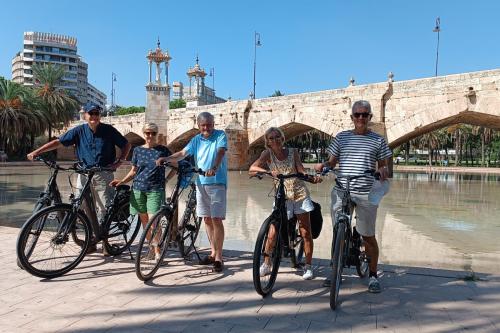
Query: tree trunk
(407, 152)
(482, 149)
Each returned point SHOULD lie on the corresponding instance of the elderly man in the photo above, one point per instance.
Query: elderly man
(358, 150)
(208, 149)
(95, 146)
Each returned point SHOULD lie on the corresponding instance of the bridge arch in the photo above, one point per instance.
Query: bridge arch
(135, 140)
(182, 140)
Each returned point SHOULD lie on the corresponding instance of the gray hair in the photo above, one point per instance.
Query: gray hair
(205, 116)
(271, 130)
(362, 104)
(150, 127)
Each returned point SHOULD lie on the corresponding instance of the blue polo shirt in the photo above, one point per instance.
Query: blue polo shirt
(94, 149)
(204, 152)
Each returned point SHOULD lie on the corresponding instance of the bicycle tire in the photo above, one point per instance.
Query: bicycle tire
(160, 227)
(120, 229)
(298, 249)
(41, 221)
(188, 232)
(259, 255)
(337, 264)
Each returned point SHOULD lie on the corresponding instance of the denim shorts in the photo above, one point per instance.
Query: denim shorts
(299, 207)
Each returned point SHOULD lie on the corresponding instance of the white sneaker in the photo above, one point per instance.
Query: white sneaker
(308, 273)
(265, 269)
(157, 256)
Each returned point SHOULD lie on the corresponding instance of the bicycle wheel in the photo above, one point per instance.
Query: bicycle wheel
(337, 264)
(298, 249)
(120, 229)
(264, 284)
(157, 233)
(45, 251)
(188, 232)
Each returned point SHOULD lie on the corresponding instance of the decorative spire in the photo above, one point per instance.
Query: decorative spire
(158, 43)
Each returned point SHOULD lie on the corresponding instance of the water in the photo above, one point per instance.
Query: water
(427, 220)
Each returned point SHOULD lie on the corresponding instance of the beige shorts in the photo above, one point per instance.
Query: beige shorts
(366, 213)
(211, 201)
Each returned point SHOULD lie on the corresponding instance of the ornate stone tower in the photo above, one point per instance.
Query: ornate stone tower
(158, 94)
(196, 93)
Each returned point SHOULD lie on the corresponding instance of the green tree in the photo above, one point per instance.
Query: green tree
(121, 111)
(57, 103)
(277, 93)
(20, 119)
(177, 104)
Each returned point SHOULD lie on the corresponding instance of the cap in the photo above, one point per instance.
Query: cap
(91, 106)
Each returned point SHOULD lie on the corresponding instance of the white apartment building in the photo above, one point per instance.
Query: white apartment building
(40, 47)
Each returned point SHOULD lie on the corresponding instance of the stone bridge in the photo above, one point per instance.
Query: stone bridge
(402, 111)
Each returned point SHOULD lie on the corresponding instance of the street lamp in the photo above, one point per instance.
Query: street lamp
(212, 74)
(113, 80)
(256, 43)
(437, 29)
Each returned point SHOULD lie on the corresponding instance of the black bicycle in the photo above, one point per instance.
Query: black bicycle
(55, 239)
(160, 233)
(50, 194)
(277, 237)
(347, 245)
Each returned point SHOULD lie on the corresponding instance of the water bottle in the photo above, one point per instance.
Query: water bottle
(378, 190)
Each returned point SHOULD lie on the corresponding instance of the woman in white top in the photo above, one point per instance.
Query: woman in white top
(281, 160)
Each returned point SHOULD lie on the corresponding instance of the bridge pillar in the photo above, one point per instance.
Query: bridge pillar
(237, 150)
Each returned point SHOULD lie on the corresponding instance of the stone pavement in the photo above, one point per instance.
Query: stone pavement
(104, 295)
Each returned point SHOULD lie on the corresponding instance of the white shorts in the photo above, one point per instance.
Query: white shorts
(298, 207)
(211, 201)
(366, 213)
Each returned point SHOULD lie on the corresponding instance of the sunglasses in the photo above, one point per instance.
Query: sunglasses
(94, 113)
(274, 138)
(361, 114)
(150, 133)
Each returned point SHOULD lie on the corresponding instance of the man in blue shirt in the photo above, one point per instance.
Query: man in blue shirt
(95, 146)
(208, 149)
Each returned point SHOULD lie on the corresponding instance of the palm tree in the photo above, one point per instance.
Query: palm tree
(59, 105)
(19, 116)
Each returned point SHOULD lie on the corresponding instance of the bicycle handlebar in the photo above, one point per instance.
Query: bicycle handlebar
(366, 173)
(53, 164)
(301, 176)
(184, 169)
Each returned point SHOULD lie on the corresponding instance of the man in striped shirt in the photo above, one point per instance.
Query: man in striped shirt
(355, 151)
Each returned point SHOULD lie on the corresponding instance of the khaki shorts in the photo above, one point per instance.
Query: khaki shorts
(211, 201)
(366, 213)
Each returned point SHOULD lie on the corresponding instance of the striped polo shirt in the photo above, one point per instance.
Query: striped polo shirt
(355, 154)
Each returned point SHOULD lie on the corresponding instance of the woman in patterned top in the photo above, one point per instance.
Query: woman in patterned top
(282, 160)
(149, 179)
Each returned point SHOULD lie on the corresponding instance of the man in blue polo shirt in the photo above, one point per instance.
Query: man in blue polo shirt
(208, 149)
(95, 146)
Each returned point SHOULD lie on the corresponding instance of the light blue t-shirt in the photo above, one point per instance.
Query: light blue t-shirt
(204, 152)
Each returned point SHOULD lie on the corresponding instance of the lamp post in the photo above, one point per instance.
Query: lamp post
(113, 80)
(256, 43)
(212, 74)
(437, 29)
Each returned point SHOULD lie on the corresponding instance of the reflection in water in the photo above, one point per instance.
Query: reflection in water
(434, 220)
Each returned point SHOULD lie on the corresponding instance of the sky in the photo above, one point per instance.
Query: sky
(306, 45)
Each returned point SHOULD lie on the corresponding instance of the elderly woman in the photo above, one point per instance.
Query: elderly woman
(149, 179)
(281, 160)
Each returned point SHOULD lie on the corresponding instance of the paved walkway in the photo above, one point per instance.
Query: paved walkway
(104, 295)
